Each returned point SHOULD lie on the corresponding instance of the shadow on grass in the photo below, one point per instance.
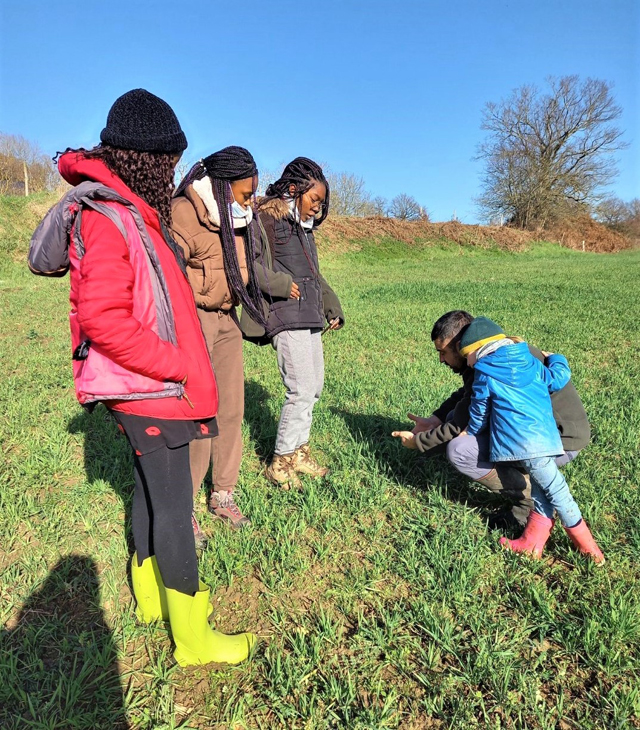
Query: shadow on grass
(58, 663)
(259, 419)
(411, 468)
(107, 456)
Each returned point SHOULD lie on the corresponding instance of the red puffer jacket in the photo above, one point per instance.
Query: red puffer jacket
(102, 285)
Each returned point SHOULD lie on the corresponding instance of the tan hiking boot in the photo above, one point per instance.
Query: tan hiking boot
(304, 463)
(514, 486)
(281, 471)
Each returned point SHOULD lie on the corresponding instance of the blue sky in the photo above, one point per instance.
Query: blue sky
(390, 91)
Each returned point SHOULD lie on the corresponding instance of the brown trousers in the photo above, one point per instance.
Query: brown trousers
(224, 342)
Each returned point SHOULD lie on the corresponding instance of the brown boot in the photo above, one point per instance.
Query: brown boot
(199, 537)
(223, 506)
(515, 486)
(281, 471)
(304, 463)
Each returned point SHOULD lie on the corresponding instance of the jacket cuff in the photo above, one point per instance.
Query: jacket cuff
(333, 314)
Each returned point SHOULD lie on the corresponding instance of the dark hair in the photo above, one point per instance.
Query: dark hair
(148, 174)
(451, 325)
(302, 173)
(223, 167)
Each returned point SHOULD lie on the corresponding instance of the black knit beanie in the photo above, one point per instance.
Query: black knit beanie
(231, 163)
(141, 121)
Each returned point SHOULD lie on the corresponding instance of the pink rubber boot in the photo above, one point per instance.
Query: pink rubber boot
(582, 538)
(535, 535)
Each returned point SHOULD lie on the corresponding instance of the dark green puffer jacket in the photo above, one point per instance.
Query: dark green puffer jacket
(568, 411)
(284, 254)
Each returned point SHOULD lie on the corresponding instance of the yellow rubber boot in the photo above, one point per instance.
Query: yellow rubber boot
(149, 591)
(196, 642)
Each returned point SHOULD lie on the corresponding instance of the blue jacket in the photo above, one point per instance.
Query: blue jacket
(511, 397)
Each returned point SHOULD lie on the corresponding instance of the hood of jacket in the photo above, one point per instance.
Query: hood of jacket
(76, 168)
(275, 207)
(201, 209)
(204, 190)
(513, 365)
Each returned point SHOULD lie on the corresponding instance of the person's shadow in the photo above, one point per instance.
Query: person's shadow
(412, 469)
(58, 662)
(107, 457)
(259, 419)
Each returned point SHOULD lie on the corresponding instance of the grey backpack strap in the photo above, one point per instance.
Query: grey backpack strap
(99, 207)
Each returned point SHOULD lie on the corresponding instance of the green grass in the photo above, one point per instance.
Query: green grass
(382, 599)
(18, 218)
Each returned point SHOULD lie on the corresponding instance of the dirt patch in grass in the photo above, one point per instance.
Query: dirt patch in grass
(241, 604)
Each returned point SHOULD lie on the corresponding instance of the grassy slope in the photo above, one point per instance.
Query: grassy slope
(382, 598)
(18, 218)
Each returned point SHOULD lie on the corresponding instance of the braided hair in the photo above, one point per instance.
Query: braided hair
(303, 174)
(223, 167)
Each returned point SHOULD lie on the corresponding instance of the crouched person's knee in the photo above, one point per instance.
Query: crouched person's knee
(460, 452)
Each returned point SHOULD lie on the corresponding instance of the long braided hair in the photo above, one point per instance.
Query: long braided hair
(223, 167)
(303, 174)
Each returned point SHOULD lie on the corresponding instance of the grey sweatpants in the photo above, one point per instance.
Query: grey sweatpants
(470, 455)
(301, 363)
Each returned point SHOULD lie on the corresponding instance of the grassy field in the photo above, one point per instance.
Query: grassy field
(382, 599)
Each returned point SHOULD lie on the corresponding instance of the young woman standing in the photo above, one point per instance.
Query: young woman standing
(212, 222)
(297, 303)
(138, 348)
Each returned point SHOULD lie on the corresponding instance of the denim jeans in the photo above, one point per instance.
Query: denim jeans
(550, 491)
(470, 455)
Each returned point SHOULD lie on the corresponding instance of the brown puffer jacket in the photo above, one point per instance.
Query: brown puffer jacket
(199, 238)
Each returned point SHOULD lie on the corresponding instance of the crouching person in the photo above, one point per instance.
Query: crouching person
(510, 401)
(441, 432)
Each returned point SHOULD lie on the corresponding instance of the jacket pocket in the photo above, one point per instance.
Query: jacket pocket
(281, 305)
(197, 280)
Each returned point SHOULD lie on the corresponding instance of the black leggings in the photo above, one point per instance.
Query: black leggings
(161, 516)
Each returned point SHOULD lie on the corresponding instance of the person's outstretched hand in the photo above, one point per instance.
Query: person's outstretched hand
(408, 439)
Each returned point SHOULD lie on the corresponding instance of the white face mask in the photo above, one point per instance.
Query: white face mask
(241, 214)
(295, 214)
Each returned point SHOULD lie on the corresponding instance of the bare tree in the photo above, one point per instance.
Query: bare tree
(24, 168)
(266, 177)
(549, 153)
(620, 216)
(349, 195)
(181, 170)
(407, 208)
(380, 207)
(612, 211)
